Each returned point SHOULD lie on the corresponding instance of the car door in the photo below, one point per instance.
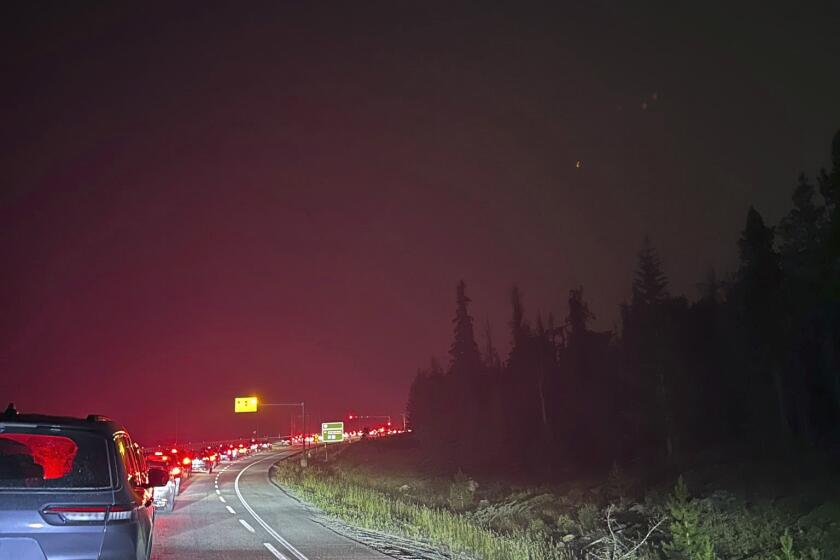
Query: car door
(136, 477)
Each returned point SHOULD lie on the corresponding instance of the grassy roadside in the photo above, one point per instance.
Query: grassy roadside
(386, 486)
(344, 497)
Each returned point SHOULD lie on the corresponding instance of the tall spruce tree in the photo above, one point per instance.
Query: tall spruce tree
(758, 291)
(650, 285)
(465, 359)
(651, 332)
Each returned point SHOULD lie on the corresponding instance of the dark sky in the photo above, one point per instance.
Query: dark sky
(203, 202)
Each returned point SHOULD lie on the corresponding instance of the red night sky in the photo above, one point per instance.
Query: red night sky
(204, 202)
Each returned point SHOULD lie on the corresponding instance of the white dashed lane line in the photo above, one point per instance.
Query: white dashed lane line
(246, 525)
(230, 509)
(222, 499)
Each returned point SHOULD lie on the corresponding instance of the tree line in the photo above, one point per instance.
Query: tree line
(754, 359)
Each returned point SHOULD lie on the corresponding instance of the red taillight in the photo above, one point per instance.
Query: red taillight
(175, 471)
(89, 514)
(158, 453)
(187, 461)
(174, 450)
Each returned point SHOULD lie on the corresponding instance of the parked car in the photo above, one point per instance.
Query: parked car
(75, 486)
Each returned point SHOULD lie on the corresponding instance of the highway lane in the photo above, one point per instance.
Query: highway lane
(236, 513)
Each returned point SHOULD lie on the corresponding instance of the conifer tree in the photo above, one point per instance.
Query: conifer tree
(650, 285)
(465, 359)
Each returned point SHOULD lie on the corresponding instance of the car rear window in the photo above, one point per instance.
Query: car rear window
(66, 460)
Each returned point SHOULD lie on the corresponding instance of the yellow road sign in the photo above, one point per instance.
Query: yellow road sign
(245, 404)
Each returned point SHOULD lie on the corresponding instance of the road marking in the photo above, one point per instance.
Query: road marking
(222, 499)
(230, 509)
(274, 551)
(246, 525)
(218, 491)
(259, 519)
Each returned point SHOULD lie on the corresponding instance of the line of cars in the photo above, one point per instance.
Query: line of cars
(83, 488)
(181, 463)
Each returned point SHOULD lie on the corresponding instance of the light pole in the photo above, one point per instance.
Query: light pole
(302, 406)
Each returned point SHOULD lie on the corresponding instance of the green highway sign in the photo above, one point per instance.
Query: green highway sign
(332, 432)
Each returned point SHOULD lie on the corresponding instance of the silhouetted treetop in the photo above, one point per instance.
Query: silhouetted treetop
(465, 358)
(650, 285)
(759, 262)
(579, 315)
(800, 229)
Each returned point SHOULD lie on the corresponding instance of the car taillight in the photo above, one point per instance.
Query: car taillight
(175, 471)
(88, 514)
(186, 461)
(120, 513)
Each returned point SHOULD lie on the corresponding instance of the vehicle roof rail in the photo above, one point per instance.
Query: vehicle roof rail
(97, 418)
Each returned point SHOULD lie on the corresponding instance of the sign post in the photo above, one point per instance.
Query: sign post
(331, 432)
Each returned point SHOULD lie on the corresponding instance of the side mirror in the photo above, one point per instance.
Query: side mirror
(158, 477)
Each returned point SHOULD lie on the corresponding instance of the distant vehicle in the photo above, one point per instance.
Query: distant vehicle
(203, 461)
(182, 458)
(73, 486)
(228, 453)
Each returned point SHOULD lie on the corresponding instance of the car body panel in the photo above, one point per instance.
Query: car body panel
(37, 508)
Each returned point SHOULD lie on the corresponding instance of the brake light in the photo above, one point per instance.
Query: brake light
(174, 450)
(158, 453)
(89, 514)
(175, 471)
(186, 461)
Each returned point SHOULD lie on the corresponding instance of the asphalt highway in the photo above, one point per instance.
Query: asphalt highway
(235, 513)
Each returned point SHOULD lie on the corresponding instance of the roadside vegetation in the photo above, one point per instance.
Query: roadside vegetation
(388, 486)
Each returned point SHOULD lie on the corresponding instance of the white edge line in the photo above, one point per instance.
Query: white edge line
(274, 551)
(246, 525)
(259, 519)
(230, 509)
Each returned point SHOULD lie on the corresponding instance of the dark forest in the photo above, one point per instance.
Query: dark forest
(751, 363)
